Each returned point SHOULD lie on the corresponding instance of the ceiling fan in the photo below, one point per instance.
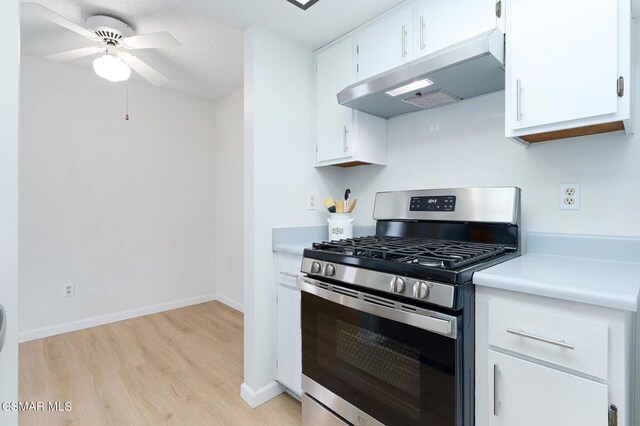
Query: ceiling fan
(114, 39)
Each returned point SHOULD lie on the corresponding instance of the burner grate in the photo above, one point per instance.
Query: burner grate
(415, 251)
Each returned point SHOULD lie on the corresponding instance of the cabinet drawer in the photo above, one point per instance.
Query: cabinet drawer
(288, 267)
(574, 343)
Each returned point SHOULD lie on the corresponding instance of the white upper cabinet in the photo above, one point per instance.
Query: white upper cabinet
(344, 137)
(335, 70)
(386, 43)
(567, 68)
(563, 63)
(441, 24)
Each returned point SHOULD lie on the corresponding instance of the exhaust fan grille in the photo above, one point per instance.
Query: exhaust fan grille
(433, 99)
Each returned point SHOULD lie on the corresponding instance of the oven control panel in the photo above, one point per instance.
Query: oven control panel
(445, 203)
(436, 293)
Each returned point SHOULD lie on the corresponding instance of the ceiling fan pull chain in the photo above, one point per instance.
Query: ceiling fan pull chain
(126, 103)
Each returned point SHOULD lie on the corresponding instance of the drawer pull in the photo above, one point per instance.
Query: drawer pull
(496, 376)
(560, 343)
(289, 274)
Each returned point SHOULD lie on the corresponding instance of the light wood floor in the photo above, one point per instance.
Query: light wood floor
(181, 367)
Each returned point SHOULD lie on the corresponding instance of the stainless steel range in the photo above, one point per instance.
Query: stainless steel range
(388, 320)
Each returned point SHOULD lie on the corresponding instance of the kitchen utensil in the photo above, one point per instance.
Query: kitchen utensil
(330, 204)
(347, 199)
(352, 205)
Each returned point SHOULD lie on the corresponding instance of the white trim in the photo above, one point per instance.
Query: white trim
(230, 302)
(39, 333)
(262, 395)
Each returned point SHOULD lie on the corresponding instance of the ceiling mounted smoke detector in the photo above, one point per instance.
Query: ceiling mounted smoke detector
(303, 4)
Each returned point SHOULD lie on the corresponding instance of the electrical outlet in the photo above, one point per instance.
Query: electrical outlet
(570, 196)
(69, 289)
(312, 201)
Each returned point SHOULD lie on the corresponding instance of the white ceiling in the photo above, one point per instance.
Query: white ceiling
(320, 24)
(209, 63)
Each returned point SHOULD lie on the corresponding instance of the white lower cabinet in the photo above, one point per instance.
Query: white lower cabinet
(289, 339)
(544, 361)
(289, 342)
(527, 394)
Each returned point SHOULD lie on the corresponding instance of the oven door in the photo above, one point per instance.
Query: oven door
(398, 364)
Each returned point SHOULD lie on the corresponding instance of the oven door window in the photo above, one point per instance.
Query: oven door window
(396, 373)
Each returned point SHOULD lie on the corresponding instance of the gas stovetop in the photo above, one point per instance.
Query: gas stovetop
(415, 251)
(447, 261)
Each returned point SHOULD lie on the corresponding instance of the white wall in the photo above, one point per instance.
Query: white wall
(229, 169)
(279, 158)
(464, 145)
(123, 209)
(9, 75)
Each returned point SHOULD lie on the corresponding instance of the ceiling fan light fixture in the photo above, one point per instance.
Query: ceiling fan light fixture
(303, 4)
(111, 68)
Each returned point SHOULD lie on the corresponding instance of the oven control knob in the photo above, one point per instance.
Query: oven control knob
(329, 270)
(316, 267)
(420, 290)
(397, 285)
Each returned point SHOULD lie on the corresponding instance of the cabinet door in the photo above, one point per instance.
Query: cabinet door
(386, 43)
(436, 19)
(561, 61)
(529, 394)
(335, 70)
(289, 342)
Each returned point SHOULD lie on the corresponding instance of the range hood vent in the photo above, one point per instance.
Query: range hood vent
(432, 99)
(467, 69)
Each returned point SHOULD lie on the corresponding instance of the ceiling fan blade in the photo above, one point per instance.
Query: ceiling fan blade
(39, 10)
(150, 41)
(74, 54)
(148, 73)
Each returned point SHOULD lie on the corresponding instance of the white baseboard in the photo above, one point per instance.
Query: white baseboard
(230, 302)
(258, 397)
(39, 333)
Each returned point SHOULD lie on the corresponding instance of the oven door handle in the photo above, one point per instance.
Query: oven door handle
(443, 324)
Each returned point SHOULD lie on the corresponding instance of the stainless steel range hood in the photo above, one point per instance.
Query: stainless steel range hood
(467, 69)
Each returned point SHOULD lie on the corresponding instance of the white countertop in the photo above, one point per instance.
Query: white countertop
(596, 281)
(295, 240)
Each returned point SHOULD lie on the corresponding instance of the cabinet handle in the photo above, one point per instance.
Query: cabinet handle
(3, 326)
(404, 36)
(620, 86)
(345, 137)
(560, 343)
(422, 43)
(289, 274)
(518, 100)
(496, 375)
